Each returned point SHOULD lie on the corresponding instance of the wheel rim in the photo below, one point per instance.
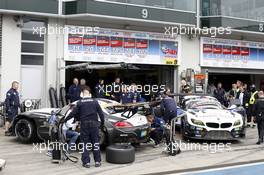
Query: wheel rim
(23, 130)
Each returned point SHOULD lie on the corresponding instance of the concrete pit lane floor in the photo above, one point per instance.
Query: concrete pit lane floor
(24, 159)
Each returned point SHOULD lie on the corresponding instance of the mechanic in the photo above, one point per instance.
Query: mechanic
(185, 88)
(168, 107)
(251, 104)
(82, 83)
(259, 114)
(69, 132)
(125, 96)
(116, 90)
(135, 95)
(243, 97)
(74, 91)
(219, 93)
(99, 90)
(157, 129)
(87, 111)
(12, 105)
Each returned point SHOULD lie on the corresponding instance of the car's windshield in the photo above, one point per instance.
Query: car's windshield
(208, 104)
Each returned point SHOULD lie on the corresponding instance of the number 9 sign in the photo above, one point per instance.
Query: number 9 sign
(144, 13)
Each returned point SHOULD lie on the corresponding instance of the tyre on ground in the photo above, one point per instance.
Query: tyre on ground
(120, 154)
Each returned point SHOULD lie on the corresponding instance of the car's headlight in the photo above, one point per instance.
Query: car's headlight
(197, 122)
(237, 122)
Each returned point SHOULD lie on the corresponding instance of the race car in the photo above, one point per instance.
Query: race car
(207, 119)
(122, 124)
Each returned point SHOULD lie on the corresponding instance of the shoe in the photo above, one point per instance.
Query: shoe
(156, 146)
(87, 165)
(7, 133)
(2, 164)
(97, 164)
(151, 141)
(259, 142)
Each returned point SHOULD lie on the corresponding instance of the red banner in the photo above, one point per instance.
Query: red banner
(227, 50)
(116, 42)
(244, 51)
(89, 41)
(142, 44)
(103, 41)
(235, 50)
(129, 43)
(75, 40)
(207, 48)
(217, 49)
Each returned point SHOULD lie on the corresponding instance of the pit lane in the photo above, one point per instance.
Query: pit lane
(23, 160)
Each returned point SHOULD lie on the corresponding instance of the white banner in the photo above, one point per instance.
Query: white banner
(109, 45)
(231, 53)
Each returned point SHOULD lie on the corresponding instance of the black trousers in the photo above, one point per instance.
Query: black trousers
(261, 129)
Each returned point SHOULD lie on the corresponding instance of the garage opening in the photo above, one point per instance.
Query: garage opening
(228, 79)
(139, 74)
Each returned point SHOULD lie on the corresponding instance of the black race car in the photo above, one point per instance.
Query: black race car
(122, 123)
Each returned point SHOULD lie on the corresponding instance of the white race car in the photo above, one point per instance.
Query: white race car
(207, 119)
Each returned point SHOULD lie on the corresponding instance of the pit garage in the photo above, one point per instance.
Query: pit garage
(132, 73)
(229, 76)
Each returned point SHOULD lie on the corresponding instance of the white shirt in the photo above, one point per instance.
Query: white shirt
(69, 124)
(241, 95)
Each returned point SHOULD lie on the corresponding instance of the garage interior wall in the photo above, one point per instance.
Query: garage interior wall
(11, 52)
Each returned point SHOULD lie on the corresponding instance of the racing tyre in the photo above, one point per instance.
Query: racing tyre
(25, 131)
(102, 136)
(120, 154)
(173, 149)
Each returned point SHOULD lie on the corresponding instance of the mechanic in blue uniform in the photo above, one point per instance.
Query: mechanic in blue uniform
(157, 128)
(99, 90)
(74, 91)
(125, 96)
(12, 104)
(168, 107)
(87, 111)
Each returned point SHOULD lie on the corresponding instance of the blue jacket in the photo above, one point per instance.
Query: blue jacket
(12, 102)
(74, 93)
(87, 109)
(158, 123)
(169, 108)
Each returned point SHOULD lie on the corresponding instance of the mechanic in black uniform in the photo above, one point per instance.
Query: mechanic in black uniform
(168, 107)
(12, 104)
(87, 111)
(259, 114)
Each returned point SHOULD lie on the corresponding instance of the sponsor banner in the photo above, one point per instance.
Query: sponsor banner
(227, 53)
(111, 45)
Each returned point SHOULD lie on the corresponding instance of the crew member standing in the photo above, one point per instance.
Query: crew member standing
(74, 91)
(87, 111)
(100, 90)
(12, 105)
(259, 114)
(116, 90)
(168, 107)
(252, 102)
(219, 93)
